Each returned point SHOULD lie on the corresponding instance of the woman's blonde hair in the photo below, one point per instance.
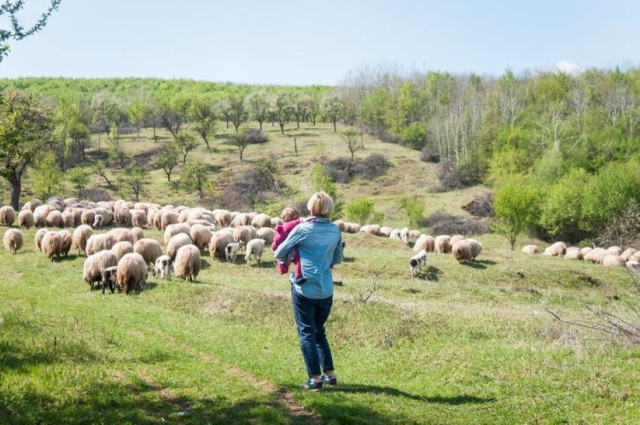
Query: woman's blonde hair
(320, 204)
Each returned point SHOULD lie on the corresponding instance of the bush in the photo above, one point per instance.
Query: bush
(414, 208)
(254, 136)
(442, 223)
(344, 170)
(414, 135)
(360, 210)
(516, 206)
(481, 205)
(448, 178)
(430, 153)
(251, 187)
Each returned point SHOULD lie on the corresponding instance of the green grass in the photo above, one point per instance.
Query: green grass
(461, 344)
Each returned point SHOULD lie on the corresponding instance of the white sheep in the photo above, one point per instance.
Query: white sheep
(66, 241)
(52, 245)
(38, 238)
(244, 234)
(26, 219)
(261, 220)
(121, 249)
(231, 251)
(95, 264)
(132, 272)
(404, 235)
(267, 234)
(426, 242)
(254, 248)
(162, 267)
(174, 229)
(461, 251)
(13, 240)
(612, 260)
(442, 244)
(530, 249)
(80, 237)
(187, 263)
(219, 241)
(417, 262)
(149, 249)
(573, 253)
(476, 248)
(200, 235)
(176, 242)
(557, 249)
(7, 215)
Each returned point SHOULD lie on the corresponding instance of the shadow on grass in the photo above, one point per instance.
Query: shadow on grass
(430, 274)
(348, 260)
(479, 264)
(394, 392)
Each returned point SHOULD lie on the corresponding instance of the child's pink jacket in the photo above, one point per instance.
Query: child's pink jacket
(282, 231)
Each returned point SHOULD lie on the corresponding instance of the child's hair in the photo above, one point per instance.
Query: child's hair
(289, 213)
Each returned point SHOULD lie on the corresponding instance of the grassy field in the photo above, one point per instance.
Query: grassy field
(460, 344)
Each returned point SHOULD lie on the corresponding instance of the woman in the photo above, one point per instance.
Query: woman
(319, 245)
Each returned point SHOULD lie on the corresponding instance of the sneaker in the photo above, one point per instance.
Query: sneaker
(312, 385)
(329, 380)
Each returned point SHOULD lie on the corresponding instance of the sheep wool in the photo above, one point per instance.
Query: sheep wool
(187, 263)
(132, 272)
(13, 240)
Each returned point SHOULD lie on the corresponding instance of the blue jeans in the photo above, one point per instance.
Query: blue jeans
(310, 316)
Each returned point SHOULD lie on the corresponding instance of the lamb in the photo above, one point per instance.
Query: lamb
(66, 241)
(38, 238)
(121, 248)
(187, 264)
(255, 248)
(174, 229)
(426, 242)
(442, 244)
(461, 251)
(200, 235)
(132, 272)
(95, 264)
(52, 245)
(150, 249)
(176, 242)
(530, 249)
(80, 237)
(12, 240)
(163, 267)
(109, 278)
(26, 219)
(7, 215)
(573, 253)
(267, 234)
(417, 262)
(231, 251)
(219, 241)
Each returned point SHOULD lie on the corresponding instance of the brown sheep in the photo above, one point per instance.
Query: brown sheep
(167, 218)
(12, 240)
(121, 248)
(52, 245)
(26, 219)
(200, 235)
(135, 234)
(174, 229)
(461, 251)
(80, 237)
(95, 264)
(244, 234)
(267, 234)
(38, 238)
(54, 219)
(261, 220)
(139, 218)
(176, 242)
(66, 241)
(442, 244)
(219, 242)
(7, 215)
(426, 242)
(132, 272)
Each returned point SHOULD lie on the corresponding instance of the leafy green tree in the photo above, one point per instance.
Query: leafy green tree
(168, 160)
(137, 111)
(79, 179)
(562, 212)
(414, 207)
(47, 176)
(185, 142)
(311, 107)
(321, 181)
(360, 210)
(135, 179)
(25, 132)
(195, 177)
(257, 103)
(282, 108)
(204, 119)
(516, 206)
(333, 107)
(100, 169)
(415, 134)
(237, 112)
(10, 10)
(174, 114)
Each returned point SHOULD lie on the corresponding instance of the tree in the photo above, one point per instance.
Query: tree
(195, 177)
(137, 111)
(100, 169)
(414, 208)
(516, 206)
(360, 210)
(168, 160)
(185, 142)
(135, 178)
(79, 179)
(282, 109)
(47, 176)
(203, 116)
(333, 107)
(311, 107)
(174, 114)
(257, 104)
(321, 181)
(350, 136)
(10, 9)
(25, 132)
(237, 113)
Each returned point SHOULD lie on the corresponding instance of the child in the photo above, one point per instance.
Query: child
(291, 219)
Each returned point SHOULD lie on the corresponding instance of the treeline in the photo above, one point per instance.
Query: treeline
(566, 137)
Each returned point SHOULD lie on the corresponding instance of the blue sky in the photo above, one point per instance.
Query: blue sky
(318, 42)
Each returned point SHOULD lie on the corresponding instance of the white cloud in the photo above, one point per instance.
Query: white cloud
(569, 68)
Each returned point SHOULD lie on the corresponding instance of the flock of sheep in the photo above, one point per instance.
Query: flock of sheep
(613, 256)
(121, 258)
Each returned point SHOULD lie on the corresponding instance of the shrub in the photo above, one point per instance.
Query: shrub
(254, 136)
(516, 207)
(359, 210)
(481, 205)
(414, 208)
(344, 170)
(430, 153)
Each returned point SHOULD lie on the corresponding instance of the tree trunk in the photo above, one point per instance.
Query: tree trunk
(16, 188)
(260, 125)
(334, 126)
(295, 145)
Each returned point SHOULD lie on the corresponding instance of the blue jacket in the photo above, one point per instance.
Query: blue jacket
(319, 244)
